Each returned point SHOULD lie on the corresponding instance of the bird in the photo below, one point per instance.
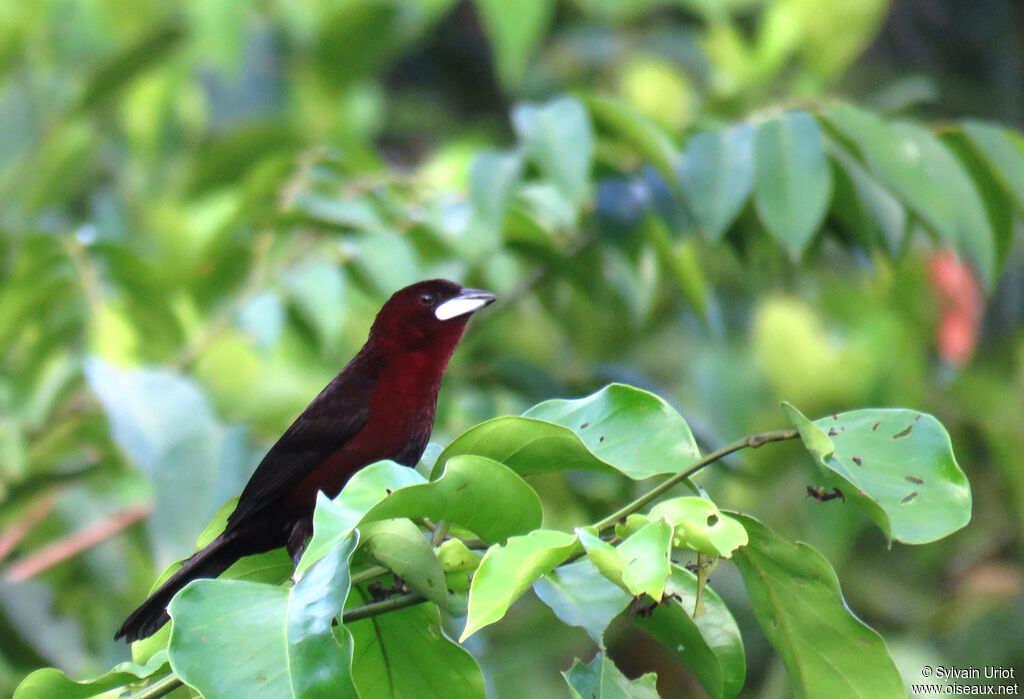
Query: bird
(380, 406)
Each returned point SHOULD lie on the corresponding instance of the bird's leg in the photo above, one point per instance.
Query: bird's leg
(298, 538)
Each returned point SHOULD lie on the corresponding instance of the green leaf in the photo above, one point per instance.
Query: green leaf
(405, 653)
(869, 211)
(514, 29)
(492, 176)
(399, 546)
(344, 55)
(334, 520)
(618, 429)
(709, 645)
(51, 683)
(580, 596)
(474, 492)
(111, 77)
(637, 129)
(640, 564)
(233, 638)
(700, 526)
(602, 680)
(318, 291)
(792, 178)
(164, 423)
(897, 464)
(1003, 151)
(506, 572)
(716, 173)
(558, 138)
(994, 158)
(334, 212)
(797, 600)
(914, 165)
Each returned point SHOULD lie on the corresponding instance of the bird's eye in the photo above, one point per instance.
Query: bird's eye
(427, 299)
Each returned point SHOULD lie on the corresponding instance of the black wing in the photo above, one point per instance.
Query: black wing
(337, 413)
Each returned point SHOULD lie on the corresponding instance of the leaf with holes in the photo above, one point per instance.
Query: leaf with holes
(827, 650)
(898, 464)
(699, 526)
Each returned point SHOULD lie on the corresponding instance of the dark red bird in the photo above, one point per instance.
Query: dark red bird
(381, 406)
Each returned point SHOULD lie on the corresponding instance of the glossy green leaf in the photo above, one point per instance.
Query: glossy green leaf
(797, 600)
(473, 492)
(232, 637)
(514, 29)
(618, 429)
(897, 464)
(506, 572)
(406, 654)
(700, 526)
(399, 546)
(580, 596)
(638, 130)
(716, 173)
(709, 645)
(51, 683)
(602, 680)
(492, 177)
(792, 178)
(558, 138)
(640, 565)
(334, 520)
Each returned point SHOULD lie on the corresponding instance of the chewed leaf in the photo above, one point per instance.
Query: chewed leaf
(898, 464)
(700, 526)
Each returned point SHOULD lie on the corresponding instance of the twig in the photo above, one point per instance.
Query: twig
(752, 442)
(365, 611)
(17, 531)
(160, 688)
(63, 549)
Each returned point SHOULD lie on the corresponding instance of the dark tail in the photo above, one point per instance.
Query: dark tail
(152, 614)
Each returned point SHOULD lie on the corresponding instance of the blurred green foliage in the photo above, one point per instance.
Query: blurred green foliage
(203, 204)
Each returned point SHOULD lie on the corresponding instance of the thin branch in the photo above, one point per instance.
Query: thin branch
(365, 611)
(26, 523)
(752, 442)
(63, 549)
(160, 688)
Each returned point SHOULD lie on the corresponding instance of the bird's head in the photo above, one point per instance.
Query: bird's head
(428, 314)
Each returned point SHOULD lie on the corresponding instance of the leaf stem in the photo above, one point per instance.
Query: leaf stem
(160, 688)
(753, 441)
(365, 611)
